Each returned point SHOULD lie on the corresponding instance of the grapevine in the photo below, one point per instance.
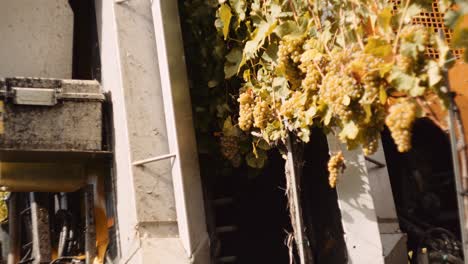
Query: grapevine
(349, 67)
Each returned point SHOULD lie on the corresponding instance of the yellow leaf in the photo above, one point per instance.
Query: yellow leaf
(382, 95)
(225, 15)
(350, 131)
(367, 109)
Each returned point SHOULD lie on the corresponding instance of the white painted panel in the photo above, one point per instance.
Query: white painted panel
(382, 193)
(181, 134)
(36, 38)
(357, 208)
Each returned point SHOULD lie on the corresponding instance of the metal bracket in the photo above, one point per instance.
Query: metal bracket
(375, 162)
(145, 161)
(34, 96)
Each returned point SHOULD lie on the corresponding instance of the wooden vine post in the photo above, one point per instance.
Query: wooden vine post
(293, 190)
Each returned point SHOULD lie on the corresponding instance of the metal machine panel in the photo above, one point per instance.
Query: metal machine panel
(50, 114)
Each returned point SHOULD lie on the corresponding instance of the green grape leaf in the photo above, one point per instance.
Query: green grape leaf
(271, 53)
(409, 49)
(233, 61)
(444, 51)
(229, 130)
(406, 83)
(433, 72)
(239, 6)
(273, 131)
(384, 21)
(350, 131)
(287, 28)
(385, 69)
(260, 34)
(281, 87)
(262, 144)
(225, 15)
(378, 47)
(413, 10)
(256, 161)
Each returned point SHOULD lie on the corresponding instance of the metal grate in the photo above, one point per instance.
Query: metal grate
(435, 21)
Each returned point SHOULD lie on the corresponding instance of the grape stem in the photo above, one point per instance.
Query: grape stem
(395, 43)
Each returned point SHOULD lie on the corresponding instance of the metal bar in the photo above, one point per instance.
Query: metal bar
(90, 224)
(453, 109)
(145, 161)
(375, 162)
(13, 229)
(460, 167)
(41, 250)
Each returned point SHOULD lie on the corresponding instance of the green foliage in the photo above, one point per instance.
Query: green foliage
(290, 65)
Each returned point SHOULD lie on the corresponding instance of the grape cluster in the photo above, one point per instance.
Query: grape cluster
(400, 118)
(311, 69)
(291, 107)
(246, 105)
(370, 146)
(337, 91)
(367, 68)
(336, 166)
(262, 113)
(289, 56)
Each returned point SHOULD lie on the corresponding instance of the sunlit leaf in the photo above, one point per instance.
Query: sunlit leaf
(382, 95)
(225, 15)
(434, 73)
(378, 47)
(260, 34)
(384, 20)
(256, 161)
(349, 131)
